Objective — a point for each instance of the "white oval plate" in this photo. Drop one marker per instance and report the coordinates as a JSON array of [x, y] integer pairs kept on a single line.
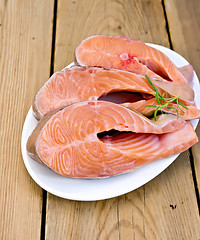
[[98, 189]]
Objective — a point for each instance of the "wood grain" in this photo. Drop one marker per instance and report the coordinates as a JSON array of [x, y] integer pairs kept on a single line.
[[166, 207], [25, 48], [184, 24], [105, 17], [167, 214]]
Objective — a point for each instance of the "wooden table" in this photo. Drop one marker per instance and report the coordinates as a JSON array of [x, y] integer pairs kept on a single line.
[[39, 37]]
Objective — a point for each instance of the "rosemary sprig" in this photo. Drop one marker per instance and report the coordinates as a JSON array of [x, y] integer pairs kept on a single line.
[[164, 102]]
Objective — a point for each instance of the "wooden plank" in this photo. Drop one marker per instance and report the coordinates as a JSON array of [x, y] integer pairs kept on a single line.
[[105, 17], [184, 25], [146, 212], [174, 213], [25, 37]]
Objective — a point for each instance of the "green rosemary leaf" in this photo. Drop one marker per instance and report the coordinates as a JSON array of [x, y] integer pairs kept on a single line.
[[172, 99], [151, 105], [162, 111], [164, 102], [174, 109], [180, 103], [155, 113], [171, 108], [157, 97], [152, 85], [162, 98], [150, 82]]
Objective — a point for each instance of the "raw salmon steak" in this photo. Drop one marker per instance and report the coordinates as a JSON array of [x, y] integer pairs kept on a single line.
[[131, 55], [79, 83], [94, 139], [92, 83]]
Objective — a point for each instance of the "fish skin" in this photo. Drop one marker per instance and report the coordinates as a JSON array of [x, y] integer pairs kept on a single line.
[[67, 142], [185, 93], [188, 73], [128, 54]]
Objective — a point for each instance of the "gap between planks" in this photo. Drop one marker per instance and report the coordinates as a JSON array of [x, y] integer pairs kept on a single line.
[[167, 25], [43, 219], [44, 196], [190, 152]]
